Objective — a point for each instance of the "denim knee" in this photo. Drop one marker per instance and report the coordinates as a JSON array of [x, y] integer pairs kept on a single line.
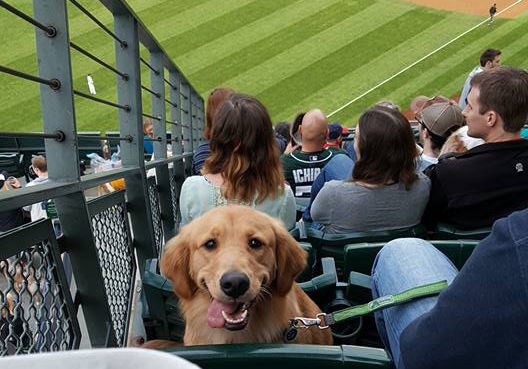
[[401, 249]]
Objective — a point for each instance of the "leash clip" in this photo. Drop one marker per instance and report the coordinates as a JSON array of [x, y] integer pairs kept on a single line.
[[301, 322]]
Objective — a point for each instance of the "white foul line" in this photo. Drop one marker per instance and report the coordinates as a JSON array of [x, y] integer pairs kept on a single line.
[[419, 60]]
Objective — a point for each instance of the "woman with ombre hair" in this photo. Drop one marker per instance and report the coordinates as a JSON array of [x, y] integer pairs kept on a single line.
[[244, 166]]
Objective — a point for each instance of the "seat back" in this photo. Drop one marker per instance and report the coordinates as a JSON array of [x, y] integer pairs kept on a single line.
[[8, 144], [10, 162], [286, 356], [333, 245], [444, 231], [360, 257]]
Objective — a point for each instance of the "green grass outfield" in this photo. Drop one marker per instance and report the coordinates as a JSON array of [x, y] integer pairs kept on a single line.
[[292, 54]]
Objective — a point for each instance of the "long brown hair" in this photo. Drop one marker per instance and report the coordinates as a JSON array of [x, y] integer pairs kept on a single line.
[[387, 152], [244, 151], [216, 98]]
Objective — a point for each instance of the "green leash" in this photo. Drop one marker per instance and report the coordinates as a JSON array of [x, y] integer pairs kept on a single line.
[[323, 321]]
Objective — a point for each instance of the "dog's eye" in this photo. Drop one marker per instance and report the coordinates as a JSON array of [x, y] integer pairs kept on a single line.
[[209, 245], [254, 243]]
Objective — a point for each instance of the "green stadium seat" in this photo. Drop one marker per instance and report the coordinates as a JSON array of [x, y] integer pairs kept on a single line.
[[333, 244], [285, 356], [90, 145], [32, 145], [445, 231], [307, 274], [360, 257], [10, 162], [9, 144]]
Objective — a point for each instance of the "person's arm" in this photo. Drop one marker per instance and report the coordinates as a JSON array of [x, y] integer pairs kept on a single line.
[[185, 202], [481, 319], [289, 213], [317, 185], [323, 205]]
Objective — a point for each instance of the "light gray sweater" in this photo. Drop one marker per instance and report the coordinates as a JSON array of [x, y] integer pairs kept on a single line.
[[343, 207]]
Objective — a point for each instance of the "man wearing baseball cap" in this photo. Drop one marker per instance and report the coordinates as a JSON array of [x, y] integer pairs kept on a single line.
[[335, 138], [437, 122]]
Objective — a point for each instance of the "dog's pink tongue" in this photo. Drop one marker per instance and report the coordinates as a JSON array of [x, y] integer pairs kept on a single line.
[[214, 313]]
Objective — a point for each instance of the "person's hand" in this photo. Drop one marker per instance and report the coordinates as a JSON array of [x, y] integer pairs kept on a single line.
[[13, 182], [291, 147]]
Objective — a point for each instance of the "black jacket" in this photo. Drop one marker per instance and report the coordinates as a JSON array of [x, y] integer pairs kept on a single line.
[[473, 189]]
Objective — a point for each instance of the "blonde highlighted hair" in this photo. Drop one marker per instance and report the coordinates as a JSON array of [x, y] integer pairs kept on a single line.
[[244, 151]]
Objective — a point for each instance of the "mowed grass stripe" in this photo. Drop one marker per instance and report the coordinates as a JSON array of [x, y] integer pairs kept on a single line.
[[468, 47], [18, 36], [520, 45], [255, 54], [460, 70], [185, 21], [381, 67], [353, 55], [289, 62], [451, 65], [93, 39], [429, 67], [210, 53], [224, 24]]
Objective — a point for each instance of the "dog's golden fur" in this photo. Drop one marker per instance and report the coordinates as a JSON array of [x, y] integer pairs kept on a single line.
[[272, 267]]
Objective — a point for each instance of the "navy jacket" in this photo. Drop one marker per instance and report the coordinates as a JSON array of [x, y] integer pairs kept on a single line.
[[481, 320]]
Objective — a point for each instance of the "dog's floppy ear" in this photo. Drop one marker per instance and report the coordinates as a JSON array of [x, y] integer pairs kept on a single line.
[[291, 259], [175, 264]]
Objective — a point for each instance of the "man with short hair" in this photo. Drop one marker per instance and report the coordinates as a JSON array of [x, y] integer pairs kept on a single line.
[[302, 166], [40, 168], [335, 138], [437, 122], [490, 181], [490, 58]]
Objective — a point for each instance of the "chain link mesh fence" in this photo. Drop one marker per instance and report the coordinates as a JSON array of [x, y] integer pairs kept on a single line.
[[156, 213], [36, 312], [116, 258], [174, 197]]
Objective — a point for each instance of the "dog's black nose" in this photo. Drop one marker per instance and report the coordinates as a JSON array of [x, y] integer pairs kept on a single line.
[[234, 284]]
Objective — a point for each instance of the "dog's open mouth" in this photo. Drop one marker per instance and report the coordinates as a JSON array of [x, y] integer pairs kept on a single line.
[[229, 315]]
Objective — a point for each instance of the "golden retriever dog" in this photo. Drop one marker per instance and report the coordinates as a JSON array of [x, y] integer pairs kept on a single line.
[[234, 271]]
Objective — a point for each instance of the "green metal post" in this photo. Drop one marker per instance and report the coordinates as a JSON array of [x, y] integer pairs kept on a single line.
[[186, 111], [175, 113], [195, 113], [177, 133], [58, 113], [130, 124], [160, 148]]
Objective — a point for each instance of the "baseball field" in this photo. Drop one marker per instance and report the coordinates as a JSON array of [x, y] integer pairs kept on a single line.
[[292, 54]]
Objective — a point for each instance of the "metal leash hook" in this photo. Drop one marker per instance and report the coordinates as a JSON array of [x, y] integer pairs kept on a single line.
[[301, 322]]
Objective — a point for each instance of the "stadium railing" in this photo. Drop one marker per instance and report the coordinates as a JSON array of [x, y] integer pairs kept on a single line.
[[100, 239]]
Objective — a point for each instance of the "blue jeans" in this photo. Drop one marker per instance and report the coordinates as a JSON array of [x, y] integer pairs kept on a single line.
[[400, 265]]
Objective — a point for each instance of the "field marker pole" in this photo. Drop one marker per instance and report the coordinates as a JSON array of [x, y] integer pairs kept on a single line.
[[420, 60]]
